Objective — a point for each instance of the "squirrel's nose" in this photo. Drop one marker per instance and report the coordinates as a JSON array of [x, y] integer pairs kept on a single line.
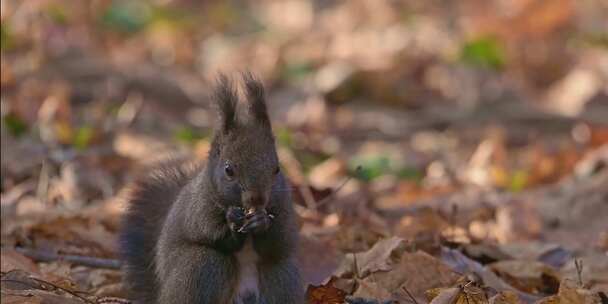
[[254, 199]]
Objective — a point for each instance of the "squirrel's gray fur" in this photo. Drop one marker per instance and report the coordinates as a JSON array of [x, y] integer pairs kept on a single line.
[[180, 235]]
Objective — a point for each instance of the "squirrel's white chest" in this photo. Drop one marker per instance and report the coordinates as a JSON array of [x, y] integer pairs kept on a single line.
[[248, 273]]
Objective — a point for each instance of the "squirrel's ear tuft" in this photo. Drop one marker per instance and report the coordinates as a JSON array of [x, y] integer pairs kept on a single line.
[[226, 98], [256, 98]]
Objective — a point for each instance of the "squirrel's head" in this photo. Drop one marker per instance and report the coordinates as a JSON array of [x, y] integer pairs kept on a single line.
[[243, 160]]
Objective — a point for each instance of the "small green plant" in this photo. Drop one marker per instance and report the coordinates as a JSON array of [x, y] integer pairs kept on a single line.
[[371, 167], [485, 52], [410, 173], [83, 137], [368, 168], [188, 135], [14, 124], [518, 181], [6, 38], [284, 137], [297, 70], [57, 13], [310, 159], [126, 16]]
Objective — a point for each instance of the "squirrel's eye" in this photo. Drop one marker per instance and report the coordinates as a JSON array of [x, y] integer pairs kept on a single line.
[[277, 170], [228, 170]]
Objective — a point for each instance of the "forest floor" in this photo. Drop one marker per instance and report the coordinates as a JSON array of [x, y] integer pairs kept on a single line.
[[431, 161]]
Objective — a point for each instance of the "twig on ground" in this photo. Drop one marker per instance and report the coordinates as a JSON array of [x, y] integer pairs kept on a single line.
[[45, 256], [409, 294], [330, 196], [578, 263], [45, 286]]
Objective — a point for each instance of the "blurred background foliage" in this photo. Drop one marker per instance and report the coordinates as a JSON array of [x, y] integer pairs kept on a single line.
[[476, 121], [341, 74]]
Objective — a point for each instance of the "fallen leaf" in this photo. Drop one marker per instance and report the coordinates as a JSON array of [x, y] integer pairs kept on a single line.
[[368, 289], [381, 257], [12, 260], [416, 272], [462, 264], [453, 295], [317, 260], [424, 225], [465, 292], [533, 250], [570, 293], [505, 297], [594, 272], [485, 252], [528, 276], [20, 299], [325, 294]]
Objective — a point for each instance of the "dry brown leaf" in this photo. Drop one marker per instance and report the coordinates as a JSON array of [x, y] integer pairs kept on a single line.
[[432, 293], [570, 293], [381, 257], [360, 228], [444, 295], [327, 174], [12, 260], [457, 295], [142, 148], [462, 264], [317, 260], [425, 224], [325, 294], [594, 272], [485, 252], [368, 289], [599, 136], [548, 253], [386, 270], [518, 220], [59, 273], [415, 272], [37, 297], [112, 290], [505, 297], [20, 299], [528, 276], [77, 235], [49, 289]]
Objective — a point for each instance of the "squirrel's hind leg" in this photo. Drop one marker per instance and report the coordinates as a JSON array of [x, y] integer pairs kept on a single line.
[[280, 283], [196, 275]]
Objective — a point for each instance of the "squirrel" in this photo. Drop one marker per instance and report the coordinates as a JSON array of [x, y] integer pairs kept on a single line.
[[220, 232]]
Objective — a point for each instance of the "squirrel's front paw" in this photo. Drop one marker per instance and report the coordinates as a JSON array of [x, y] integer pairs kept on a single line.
[[235, 216], [256, 222]]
